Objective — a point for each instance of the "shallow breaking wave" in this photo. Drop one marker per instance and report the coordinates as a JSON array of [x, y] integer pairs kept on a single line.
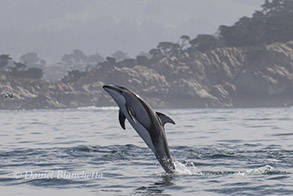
[[184, 170], [99, 108]]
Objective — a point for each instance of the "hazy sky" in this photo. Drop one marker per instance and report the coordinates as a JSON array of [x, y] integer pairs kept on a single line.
[[53, 28]]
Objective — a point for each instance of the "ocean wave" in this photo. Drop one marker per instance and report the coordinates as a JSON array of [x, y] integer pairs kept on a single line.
[[189, 169], [98, 108]]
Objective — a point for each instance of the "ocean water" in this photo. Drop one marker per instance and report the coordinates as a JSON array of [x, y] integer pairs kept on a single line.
[[85, 151]]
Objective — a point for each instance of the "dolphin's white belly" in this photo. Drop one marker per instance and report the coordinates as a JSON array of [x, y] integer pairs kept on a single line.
[[142, 132]]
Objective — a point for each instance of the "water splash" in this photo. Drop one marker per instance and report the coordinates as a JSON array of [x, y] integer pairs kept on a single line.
[[186, 169], [189, 169]]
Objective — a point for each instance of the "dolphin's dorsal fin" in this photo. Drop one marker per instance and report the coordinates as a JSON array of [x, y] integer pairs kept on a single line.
[[164, 118], [122, 119]]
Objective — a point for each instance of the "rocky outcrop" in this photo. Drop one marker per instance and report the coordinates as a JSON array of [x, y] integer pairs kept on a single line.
[[255, 76], [270, 74]]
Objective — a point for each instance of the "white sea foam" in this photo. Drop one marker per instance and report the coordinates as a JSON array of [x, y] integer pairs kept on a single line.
[[191, 169], [98, 108], [258, 171], [181, 169]]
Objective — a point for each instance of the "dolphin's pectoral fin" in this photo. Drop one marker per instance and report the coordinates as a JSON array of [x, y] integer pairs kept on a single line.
[[122, 119], [131, 113], [165, 119]]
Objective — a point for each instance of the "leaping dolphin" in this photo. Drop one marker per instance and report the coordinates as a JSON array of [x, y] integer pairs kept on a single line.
[[148, 124]]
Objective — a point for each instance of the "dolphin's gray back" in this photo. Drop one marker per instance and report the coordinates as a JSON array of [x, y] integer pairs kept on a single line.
[[143, 112]]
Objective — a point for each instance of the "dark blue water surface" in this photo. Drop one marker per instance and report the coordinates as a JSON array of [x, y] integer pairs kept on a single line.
[[85, 151]]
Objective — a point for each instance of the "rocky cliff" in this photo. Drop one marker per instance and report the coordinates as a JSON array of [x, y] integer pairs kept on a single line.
[[255, 76]]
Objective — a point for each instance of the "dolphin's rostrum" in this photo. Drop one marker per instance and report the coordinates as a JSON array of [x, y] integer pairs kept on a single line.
[[148, 124]]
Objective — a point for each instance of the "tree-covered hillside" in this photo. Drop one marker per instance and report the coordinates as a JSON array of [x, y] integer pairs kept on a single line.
[[274, 23]]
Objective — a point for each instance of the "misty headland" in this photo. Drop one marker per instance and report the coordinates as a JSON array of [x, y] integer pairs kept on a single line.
[[248, 64]]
